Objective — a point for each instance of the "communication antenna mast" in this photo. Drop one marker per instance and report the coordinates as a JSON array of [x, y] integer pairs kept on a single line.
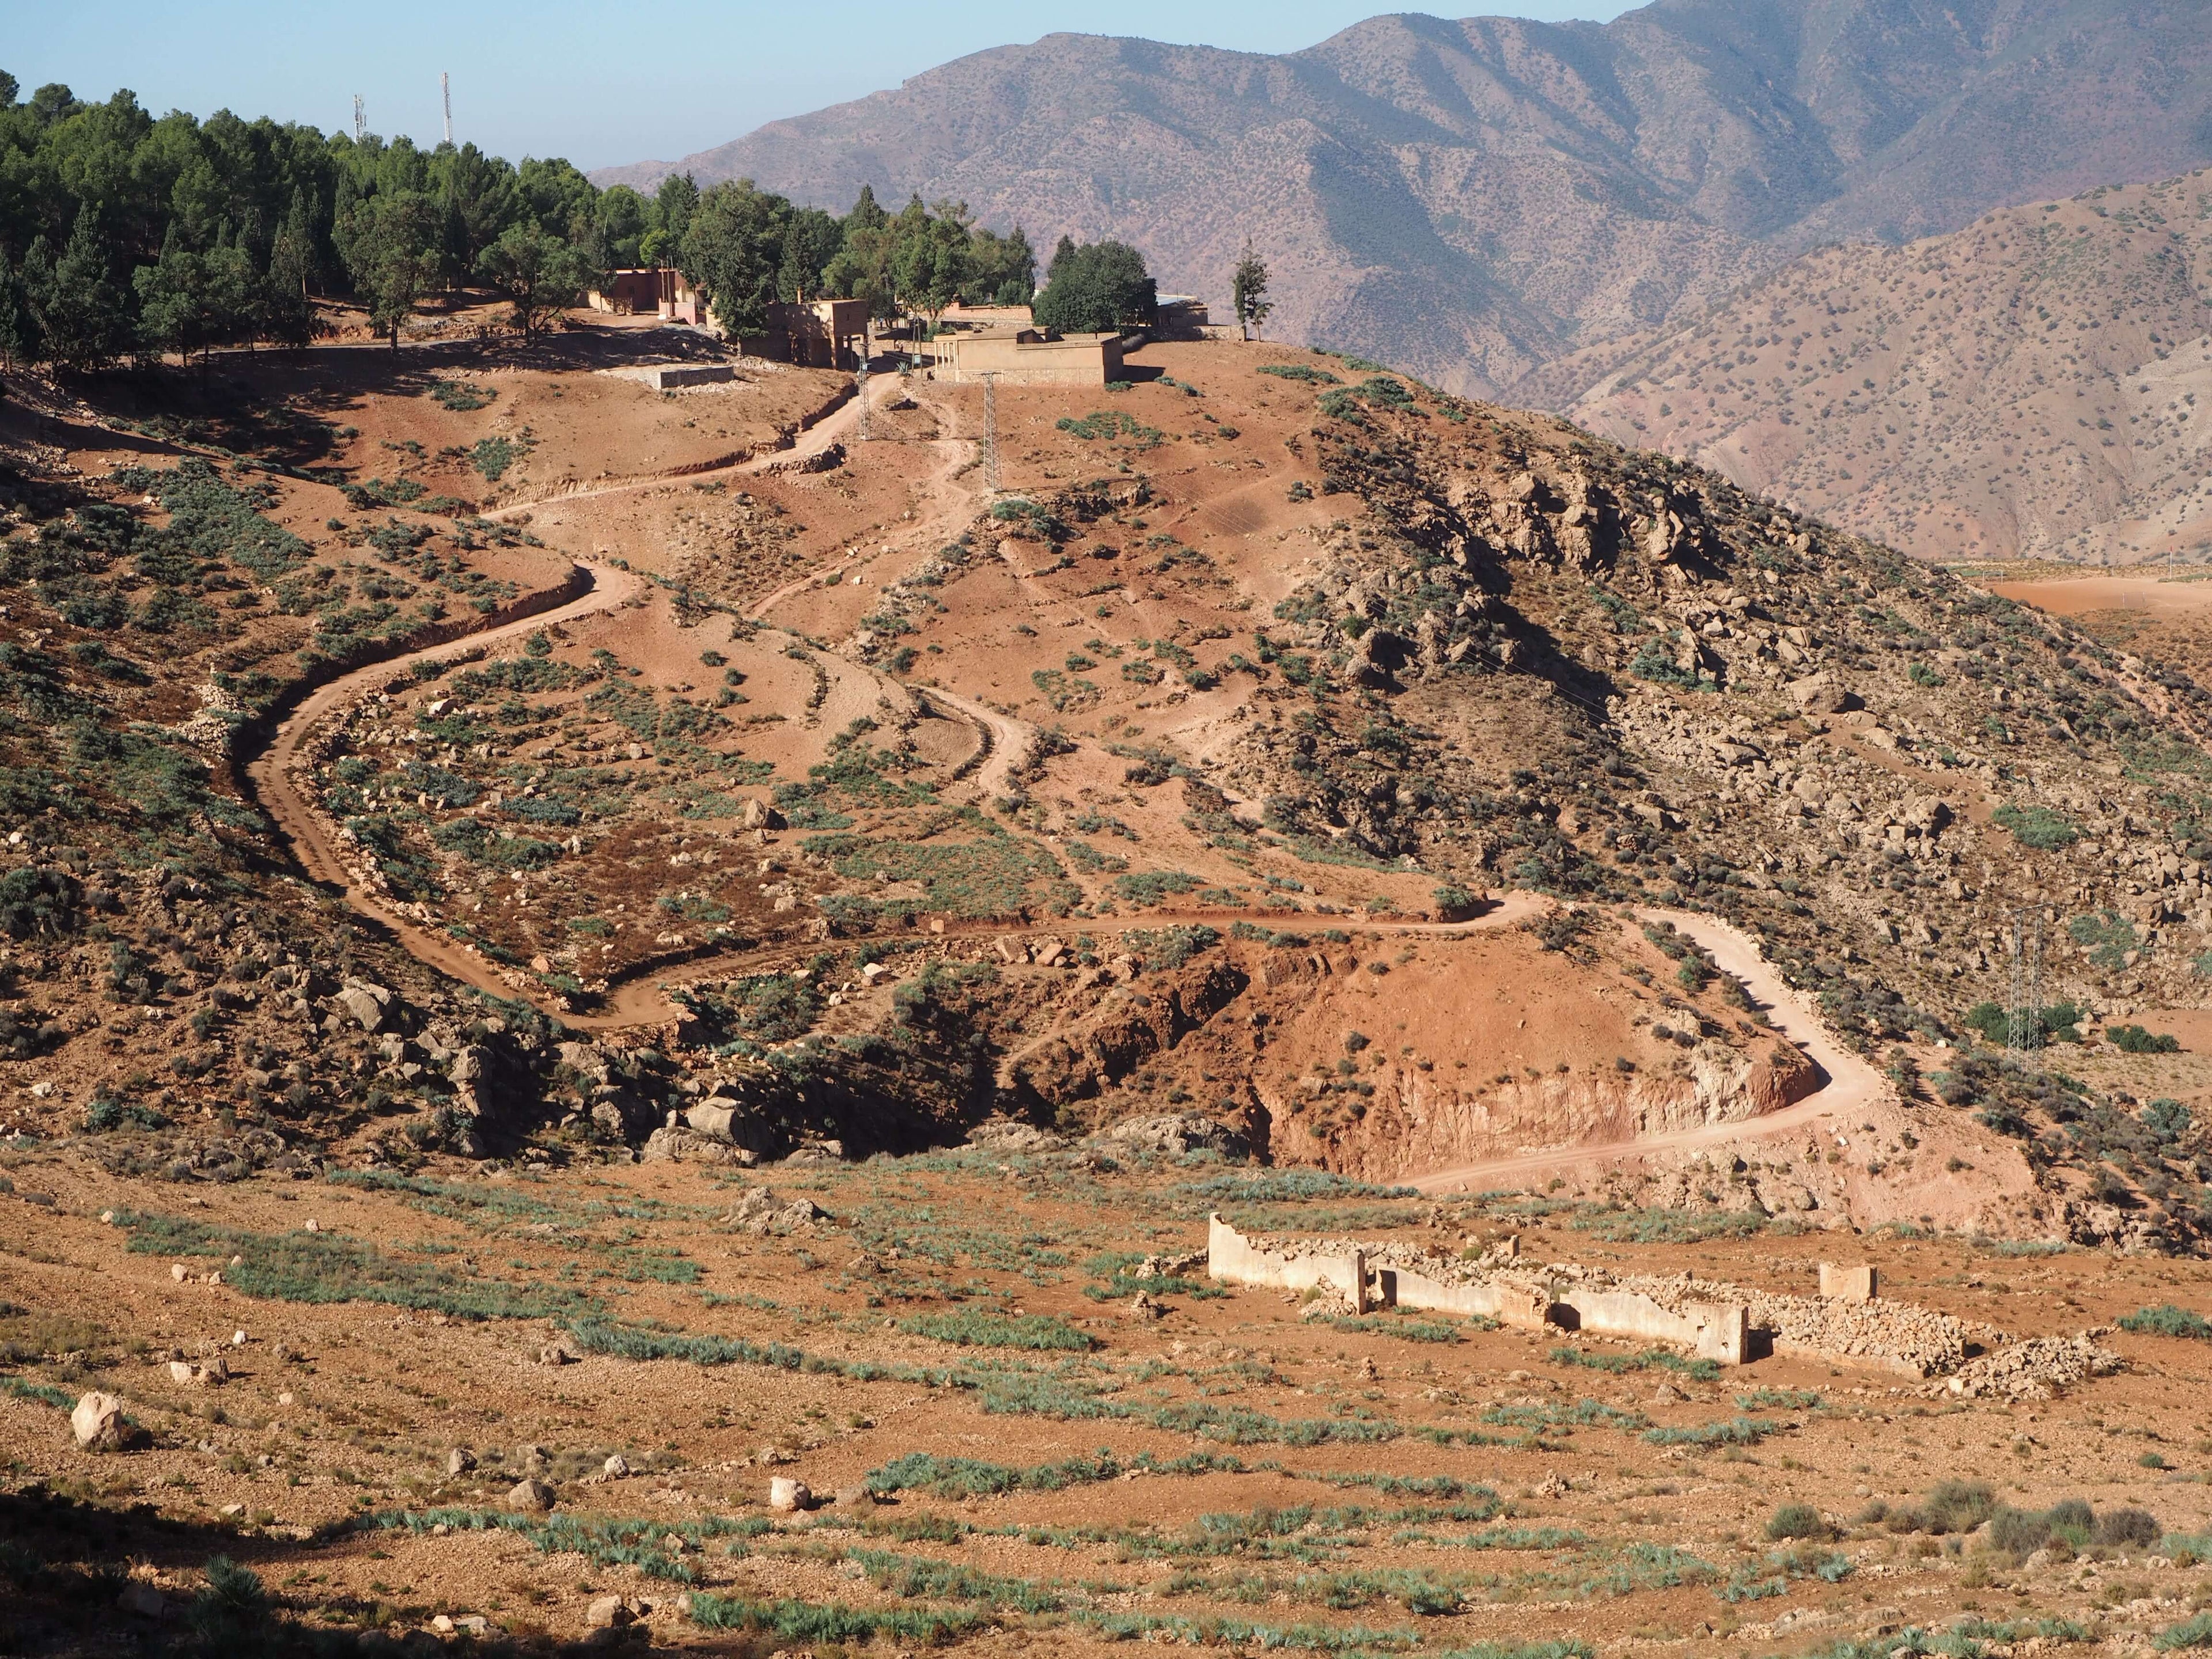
[[991, 432], [360, 120], [446, 92]]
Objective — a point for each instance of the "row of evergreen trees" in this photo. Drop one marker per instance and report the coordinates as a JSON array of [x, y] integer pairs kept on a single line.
[[126, 235]]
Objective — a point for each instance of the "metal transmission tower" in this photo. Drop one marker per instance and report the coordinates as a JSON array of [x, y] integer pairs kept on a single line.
[[360, 120], [445, 92], [2024, 1021], [860, 386], [991, 433]]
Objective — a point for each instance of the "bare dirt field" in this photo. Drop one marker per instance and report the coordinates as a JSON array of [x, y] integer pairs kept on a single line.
[[713, 952]]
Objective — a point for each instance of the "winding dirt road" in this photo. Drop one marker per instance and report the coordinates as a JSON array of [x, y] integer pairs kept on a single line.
[[275, 779], [273, 775], [1851, 1086]]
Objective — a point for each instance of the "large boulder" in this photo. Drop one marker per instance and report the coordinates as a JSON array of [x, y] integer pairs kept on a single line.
[[365, 1002], [530, 1497], [98, 1423]]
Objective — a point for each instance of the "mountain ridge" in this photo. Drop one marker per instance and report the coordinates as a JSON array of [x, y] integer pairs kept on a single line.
[[1474, 198]]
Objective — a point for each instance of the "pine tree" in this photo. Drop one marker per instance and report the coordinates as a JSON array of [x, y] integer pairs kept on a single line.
[[19, 329], [80, 313], [1248, 291]]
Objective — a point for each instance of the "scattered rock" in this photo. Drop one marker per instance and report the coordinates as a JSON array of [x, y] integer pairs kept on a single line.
[[141, 1600], [855, 1497], [460, 1460], [1172, 1134], [2037, 1368], [555, 1353], [1141, 1306], [775, 1455], [530, 1497], [98, 1423], [1007, 1135], [365, 1002], [615, 1467], [787, 1494], [609, 1613]]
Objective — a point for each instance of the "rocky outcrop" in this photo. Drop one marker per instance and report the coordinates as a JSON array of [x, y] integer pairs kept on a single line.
[[1416, 1122]]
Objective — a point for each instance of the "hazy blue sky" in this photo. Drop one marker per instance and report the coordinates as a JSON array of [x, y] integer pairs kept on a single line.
[[601, 83]]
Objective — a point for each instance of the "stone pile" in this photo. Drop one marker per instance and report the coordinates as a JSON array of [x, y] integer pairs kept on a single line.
[[2034, 1370]]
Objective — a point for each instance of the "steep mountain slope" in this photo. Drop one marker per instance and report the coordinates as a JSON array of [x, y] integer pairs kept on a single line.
[[2038, 384], [1471, 199]]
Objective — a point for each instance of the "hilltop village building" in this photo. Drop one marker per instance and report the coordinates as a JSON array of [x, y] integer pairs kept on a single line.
[[633, 292], [1028, 356], [812, 333]]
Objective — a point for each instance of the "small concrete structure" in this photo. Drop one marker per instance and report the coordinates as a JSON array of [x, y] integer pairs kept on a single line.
[[670, 376], [814, 333], [1028, 356], [1859, 1283], [1709, 1330], [656, 288]]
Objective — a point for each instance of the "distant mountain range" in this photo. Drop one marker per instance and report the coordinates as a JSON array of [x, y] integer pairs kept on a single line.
[[1476, 199], [2038, 384]]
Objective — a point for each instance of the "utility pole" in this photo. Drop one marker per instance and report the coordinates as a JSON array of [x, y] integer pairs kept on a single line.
[[446, 92], [360, 120], [991, 432]]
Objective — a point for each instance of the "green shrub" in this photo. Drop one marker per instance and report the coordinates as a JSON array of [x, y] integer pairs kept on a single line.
[[1300, 372], [974, 1329], [2166, 1320], [323, 1267], [803, 1622], [1957, 1506], [2191, 1632], [462, 397], [2037, 827], [1153, 886], [2134, 1040]]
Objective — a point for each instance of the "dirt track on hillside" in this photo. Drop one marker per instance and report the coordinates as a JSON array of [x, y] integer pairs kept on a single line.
[[1851, 1084]]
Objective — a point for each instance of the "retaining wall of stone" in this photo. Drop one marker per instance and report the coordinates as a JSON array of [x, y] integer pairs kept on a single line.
[[1714, 1331]]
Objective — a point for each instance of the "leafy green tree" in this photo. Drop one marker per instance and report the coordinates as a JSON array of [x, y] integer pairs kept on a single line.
[[392, 250], [561, 199], [80, 311], [478, 201], [732, 250], [812, 239], [537, 274], [19, 328], [1098, 288], [1006, 268], [622, 221], [173, 308], [931, 257], [1247, 292], [673, 205]]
